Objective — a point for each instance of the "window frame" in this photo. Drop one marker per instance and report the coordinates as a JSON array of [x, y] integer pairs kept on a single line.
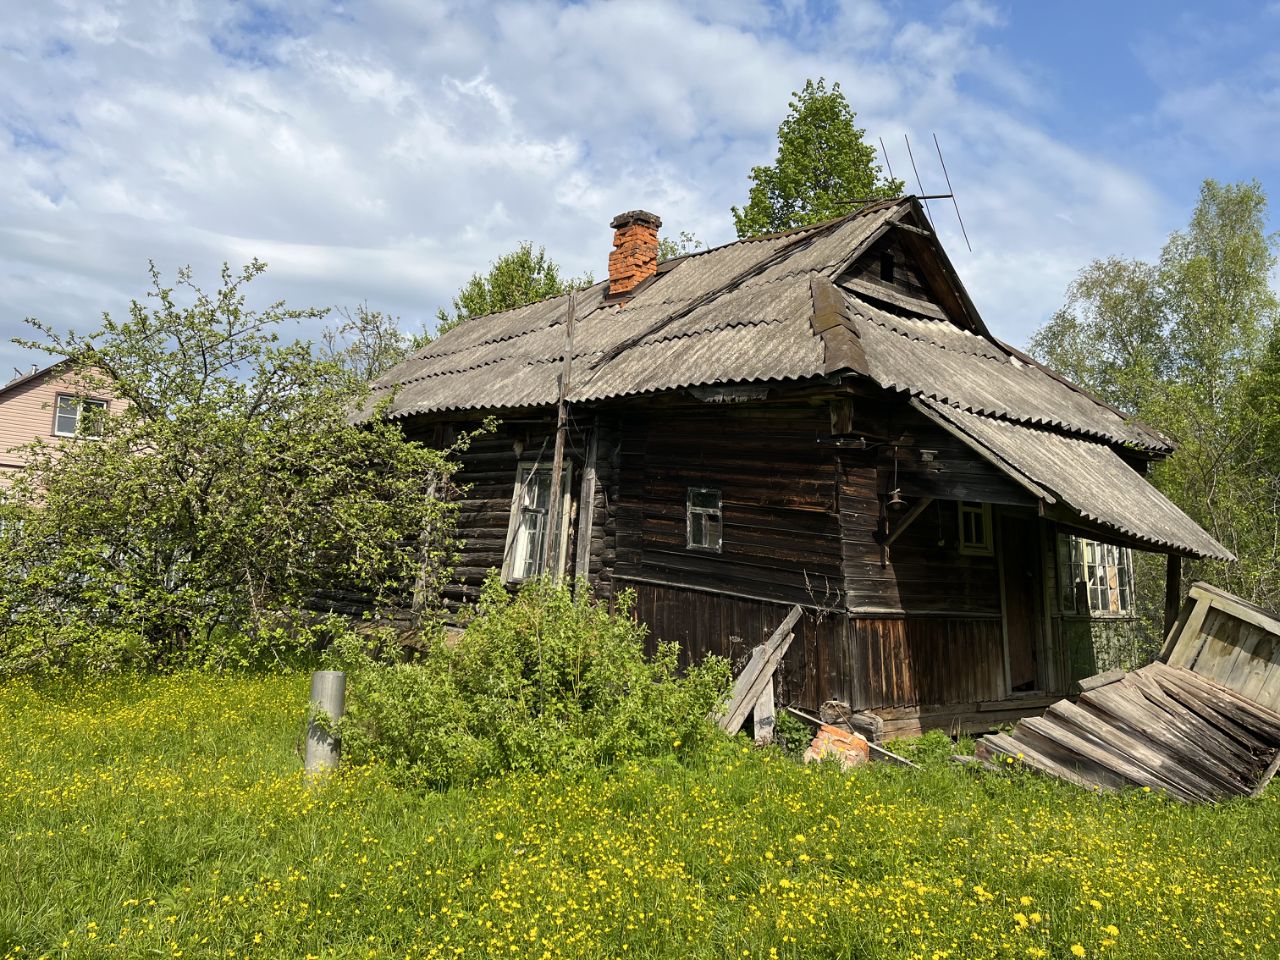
[[712, 520], [983, 511], [80, 404], [1099, 573], [526, 470]]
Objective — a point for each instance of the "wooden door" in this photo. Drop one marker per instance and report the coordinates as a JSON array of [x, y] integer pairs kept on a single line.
[[1020, 573]]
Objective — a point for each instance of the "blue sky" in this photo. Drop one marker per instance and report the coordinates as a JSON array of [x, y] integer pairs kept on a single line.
[[382, 150]]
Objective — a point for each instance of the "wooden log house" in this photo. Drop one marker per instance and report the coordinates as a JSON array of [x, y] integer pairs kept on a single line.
[[817, 417]]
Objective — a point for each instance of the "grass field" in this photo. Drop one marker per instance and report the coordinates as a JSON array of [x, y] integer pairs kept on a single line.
[[168, 817]]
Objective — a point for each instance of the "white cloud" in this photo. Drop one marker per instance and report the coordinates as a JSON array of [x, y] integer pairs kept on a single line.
[[384, 151]]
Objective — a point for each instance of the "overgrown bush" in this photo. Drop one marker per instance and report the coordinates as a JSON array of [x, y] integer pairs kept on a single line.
[[541, 680], [229, 489]]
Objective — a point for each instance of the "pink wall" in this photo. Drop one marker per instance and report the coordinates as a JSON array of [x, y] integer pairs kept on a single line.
[[26, 412]]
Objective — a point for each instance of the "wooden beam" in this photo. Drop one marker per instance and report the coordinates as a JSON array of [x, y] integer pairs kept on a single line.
[[758, 671], [1172, 591], [896, 298], [553, 561], [908, 519], [586, 508], [1229, 603]]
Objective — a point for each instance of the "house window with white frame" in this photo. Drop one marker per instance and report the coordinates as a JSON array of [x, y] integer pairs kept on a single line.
[[1094, 578], [704, 520], [78, 416], [526, 554], [975, 529]]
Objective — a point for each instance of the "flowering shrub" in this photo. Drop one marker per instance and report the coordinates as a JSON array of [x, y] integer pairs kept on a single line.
[[540, 680]]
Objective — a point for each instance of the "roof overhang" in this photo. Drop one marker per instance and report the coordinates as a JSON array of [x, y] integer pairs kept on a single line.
[[1080, 482]]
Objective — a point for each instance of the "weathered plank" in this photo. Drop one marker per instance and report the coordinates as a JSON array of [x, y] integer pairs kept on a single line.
[[763, 714], [758, 671]]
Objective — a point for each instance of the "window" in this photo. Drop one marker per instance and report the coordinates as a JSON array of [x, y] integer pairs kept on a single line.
[[975, 529], [705, 524], [526, 552], [78, 417], [1094, 577]]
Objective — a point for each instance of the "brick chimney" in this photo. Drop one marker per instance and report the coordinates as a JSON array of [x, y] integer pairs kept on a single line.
[[635, 251]]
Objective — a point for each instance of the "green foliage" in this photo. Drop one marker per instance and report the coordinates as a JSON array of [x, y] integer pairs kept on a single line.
[[146, 816], [822, 164], [542, 680], [514, 279], [1189, 345], [367, 343], [683, 244], [792, 734], [228, 489]]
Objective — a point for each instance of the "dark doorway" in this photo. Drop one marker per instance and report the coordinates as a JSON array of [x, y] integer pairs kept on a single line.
[[1020, 573]]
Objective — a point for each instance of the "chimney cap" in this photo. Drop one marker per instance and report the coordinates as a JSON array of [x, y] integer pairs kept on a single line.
[[635, 216]]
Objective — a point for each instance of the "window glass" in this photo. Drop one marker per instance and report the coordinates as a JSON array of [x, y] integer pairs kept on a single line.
[[92, 417], [975, 528], [74, 417], [67, 417], [705, 521], [529, 549], [526, 554], [1094, 577]]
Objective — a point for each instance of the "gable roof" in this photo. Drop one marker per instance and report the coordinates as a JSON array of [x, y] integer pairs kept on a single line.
[[743, 313], [780, 308], [35, 374]]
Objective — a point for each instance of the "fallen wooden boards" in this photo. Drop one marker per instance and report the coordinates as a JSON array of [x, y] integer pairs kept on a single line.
[[1225, 639], [1161, 727], [757, 675]]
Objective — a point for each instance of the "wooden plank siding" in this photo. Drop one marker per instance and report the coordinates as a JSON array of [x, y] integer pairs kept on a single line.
[[869, 662]]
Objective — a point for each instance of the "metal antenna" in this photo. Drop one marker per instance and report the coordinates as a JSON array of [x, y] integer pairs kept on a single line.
[[927, 211], [888, 165], [953, 193]]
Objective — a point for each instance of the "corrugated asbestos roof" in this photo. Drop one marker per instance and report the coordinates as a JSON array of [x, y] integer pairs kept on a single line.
[[936, 359], [746, 312], [736, 313], [1087, 476]]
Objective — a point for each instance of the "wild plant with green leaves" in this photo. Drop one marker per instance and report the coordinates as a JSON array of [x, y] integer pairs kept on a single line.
[[229, 487], [1190, 344], [546, 679]]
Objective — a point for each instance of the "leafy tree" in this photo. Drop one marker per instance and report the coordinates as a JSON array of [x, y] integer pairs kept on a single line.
[[228, 489], [514, 279], [1189, 344], [367, 343], [680, 245], [822, 165]]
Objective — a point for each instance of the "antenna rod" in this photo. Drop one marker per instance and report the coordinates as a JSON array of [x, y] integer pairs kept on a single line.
[[953, 193], [927, 196], [928, 212], [888, 165]]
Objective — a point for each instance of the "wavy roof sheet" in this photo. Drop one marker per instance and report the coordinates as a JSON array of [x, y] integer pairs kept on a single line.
[[740, 313], [938, 360], [1088, 477]]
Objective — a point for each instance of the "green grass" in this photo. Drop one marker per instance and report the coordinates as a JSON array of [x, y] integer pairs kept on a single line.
[[169, 817]]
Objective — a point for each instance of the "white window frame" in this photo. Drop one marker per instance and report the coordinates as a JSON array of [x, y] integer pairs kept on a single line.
[[982, 514], [80, 403], [1103, 569], [712, 521], [513, 556]]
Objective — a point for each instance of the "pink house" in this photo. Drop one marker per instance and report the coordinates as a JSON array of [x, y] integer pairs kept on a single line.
[[50, 404]]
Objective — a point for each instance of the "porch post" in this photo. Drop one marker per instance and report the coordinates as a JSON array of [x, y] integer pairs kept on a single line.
[[1172, 591]]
